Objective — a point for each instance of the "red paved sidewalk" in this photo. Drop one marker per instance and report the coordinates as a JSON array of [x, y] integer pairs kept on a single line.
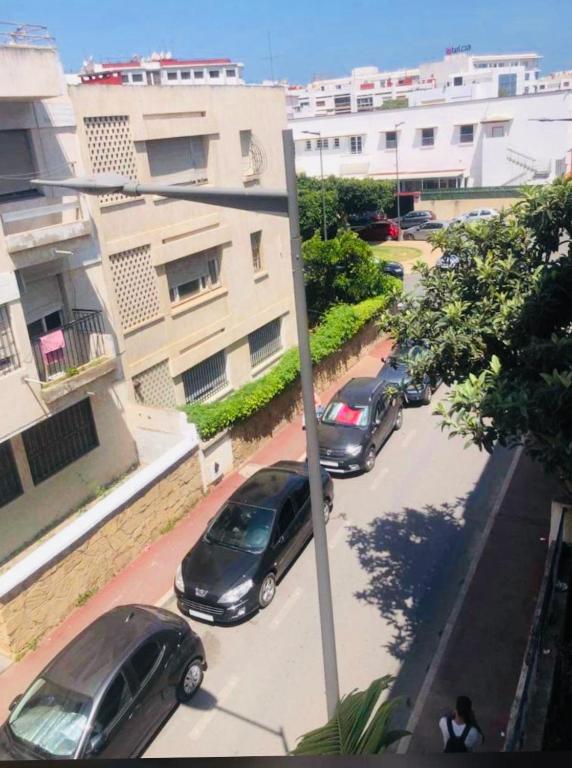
[[149, 578]]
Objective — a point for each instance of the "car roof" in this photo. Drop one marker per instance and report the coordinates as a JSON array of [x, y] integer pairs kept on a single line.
[[359, 391], [93, 658], [270, 486]]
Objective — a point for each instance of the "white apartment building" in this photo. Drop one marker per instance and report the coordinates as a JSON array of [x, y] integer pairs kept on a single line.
[[503, 141], [555, 81], [161, 69], [459, 76]]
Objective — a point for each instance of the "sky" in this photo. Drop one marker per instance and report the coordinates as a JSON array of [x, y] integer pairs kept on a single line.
[[308, 38]]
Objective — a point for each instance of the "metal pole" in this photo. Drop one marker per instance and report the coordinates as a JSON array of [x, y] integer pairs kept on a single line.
[[323, 193], [314, 471], [397, 177]]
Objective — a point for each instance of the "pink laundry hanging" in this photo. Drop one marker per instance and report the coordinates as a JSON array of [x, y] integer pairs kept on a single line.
[[51, 346]]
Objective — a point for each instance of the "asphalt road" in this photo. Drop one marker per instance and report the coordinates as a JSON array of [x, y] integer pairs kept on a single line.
[[400, 542]]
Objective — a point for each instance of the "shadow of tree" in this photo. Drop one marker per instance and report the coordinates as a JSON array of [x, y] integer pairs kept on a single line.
[[401, 553]]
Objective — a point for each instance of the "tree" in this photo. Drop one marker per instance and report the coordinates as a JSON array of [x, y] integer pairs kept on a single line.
[[341, 270], [311, 208], [357, 727], [499, 327], [361, 195]]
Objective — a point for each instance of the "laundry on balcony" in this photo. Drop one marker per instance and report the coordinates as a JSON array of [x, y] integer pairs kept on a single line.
[[52, 346]]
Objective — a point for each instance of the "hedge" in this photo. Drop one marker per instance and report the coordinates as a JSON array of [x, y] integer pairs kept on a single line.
[[339, 324]]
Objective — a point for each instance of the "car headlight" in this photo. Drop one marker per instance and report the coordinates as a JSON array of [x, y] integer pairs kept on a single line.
[[353, 450], [234, 594], [179, 583]]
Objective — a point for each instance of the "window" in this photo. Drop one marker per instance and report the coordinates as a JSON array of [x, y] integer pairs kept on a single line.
[[45, 324], [137, 77], [214, 74], [466, 134], [507, 85], [9, 360], [124, 78], [145, 659], [185, 74], [60, 440], [497, 131], [336, 143], [172, 75], [231, 72], [17, 163], [355, 145], [184, 158], [457, 81], [302, 494], [527, 75], [255, 243], [320, 103], [308, 145], [10, 487], [285, 517], [342, 103], [194, 274], [205, 379], [199, 74], [114, 702], [391, 139], [321, 143], [427, 137], [265, 342], [379, 411], [364, 103]]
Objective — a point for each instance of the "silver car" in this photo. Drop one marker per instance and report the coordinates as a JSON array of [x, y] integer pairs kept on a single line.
[[424, 230], [478, 214]]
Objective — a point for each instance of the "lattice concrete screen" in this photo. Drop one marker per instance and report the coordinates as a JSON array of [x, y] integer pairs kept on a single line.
[[111, 149], [155, 386], [135, 282]]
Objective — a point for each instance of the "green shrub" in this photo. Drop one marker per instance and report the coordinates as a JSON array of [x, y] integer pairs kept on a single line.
[[339, 325]]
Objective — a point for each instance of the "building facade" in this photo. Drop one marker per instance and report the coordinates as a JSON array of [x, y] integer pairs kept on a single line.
[[500, 142]]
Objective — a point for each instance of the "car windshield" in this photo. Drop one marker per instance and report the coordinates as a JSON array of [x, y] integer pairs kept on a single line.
[[49, 719], [346, 415], [404, 355], [240, 526]]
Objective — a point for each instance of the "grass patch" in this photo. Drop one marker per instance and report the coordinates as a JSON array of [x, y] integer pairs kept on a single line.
[[84, 597], [400, 253]]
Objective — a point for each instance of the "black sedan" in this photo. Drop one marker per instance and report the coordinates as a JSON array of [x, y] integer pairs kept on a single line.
[[108, 691], [356, 423], [395, 373], [232, 571], [393, 268]]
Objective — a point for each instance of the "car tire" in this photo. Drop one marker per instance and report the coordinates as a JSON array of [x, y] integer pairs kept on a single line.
[[370, 457], [398, 419], [267, 590], [191, 681], [327, 510], [427, 395]]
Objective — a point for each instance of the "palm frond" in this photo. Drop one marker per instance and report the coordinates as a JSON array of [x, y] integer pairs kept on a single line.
[[359, 725]]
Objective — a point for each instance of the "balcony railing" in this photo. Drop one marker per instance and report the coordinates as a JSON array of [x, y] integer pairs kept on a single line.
[[35, 212], [64, 350]]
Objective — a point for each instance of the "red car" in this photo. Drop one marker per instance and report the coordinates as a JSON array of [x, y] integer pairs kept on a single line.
[[378, 231]]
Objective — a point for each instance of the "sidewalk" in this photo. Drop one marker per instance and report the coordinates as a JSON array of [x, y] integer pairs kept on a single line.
[[485, 651], [149, 578]]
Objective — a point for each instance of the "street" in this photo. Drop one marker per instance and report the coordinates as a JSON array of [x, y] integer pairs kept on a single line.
[[400, 542]]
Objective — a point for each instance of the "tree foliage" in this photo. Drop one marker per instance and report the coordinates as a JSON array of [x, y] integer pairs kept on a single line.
[[360, 726], [344, 197], [341, 270], [500, 328]]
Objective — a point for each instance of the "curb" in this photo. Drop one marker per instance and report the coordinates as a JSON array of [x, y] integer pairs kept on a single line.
[[404, 744]]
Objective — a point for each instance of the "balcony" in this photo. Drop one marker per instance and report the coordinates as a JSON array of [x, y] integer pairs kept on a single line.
[[74, 355], [29, 64], [32, 221]]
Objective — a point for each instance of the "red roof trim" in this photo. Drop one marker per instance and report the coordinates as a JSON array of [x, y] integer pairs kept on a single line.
[[177, 62]]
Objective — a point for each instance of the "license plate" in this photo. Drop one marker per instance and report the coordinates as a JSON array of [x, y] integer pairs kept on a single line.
[[328, 463], [199, 615]]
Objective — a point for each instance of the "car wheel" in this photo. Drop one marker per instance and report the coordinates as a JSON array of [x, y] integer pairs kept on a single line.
[[191, 681], [327, 510], [398, 420], [427, 395], [370, 458], [267, 590]]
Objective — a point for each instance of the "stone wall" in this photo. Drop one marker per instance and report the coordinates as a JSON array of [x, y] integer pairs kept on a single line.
[[249, 435], [40, 605]]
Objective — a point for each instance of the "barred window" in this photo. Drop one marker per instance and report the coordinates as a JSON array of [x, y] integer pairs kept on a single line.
[[60, 440], [9, 360], [205, 379], [265, 342], [255, 244], [10, 486]]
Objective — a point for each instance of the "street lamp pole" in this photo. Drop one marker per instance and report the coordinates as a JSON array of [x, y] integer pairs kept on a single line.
[[397, 179], [320, 142], [285, 203]]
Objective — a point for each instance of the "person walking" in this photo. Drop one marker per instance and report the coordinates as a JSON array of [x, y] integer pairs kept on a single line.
[[460, 730]]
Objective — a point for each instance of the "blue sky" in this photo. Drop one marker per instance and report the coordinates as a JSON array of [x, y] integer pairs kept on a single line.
[[309, 37]]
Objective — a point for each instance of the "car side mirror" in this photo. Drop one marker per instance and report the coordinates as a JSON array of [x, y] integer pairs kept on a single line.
[[384, 359], [15, 702], [97, 743]]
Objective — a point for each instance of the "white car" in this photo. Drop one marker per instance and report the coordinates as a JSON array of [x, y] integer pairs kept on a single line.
[[423, 231], [478, 214]]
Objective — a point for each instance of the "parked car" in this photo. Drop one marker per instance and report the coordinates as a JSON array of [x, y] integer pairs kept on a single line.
[[447, 261], [378, 231], [414, 219], [395, 373], [423, 231], [232, 571], [393, 268], [368, 217], [476, 215], [109, 690], [355, 425]]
